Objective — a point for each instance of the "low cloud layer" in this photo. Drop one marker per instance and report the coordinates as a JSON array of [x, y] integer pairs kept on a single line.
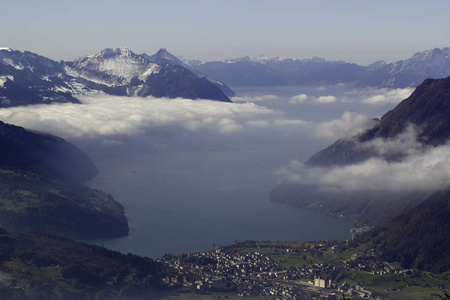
[[301, 98], [260, 98], [386, 96], [108, 116], [325, 99], [421, 169], [347, 126], [405, 144]]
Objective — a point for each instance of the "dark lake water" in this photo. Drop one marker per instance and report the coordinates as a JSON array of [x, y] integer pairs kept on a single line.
[[192, 201]]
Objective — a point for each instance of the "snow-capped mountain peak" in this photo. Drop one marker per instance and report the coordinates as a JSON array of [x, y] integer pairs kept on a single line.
[[163, 57], [114, 52], [28, 78], [121, 64]]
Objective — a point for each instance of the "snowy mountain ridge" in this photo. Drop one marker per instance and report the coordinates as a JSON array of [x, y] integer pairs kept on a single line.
[[28, 78], [432, 63], [121, 64], [262, 70], [262, 59]]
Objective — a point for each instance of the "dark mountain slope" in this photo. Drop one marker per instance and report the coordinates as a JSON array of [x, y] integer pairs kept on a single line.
[[45, 202], [418, 238], [40, 267], [428, 109], [39, 188], [27, 78], [163, 57], [21, 148], [175, 81]]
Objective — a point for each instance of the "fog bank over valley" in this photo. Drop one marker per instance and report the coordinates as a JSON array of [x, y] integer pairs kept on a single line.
[[289, 123], [193, 173]]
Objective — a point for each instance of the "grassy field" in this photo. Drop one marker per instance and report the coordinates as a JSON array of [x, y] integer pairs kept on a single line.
[[399, 286], [295, 260], [390, 286], [265, 251], [213, 296]]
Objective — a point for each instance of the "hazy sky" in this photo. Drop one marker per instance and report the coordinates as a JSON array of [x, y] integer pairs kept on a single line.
[[355, 31]]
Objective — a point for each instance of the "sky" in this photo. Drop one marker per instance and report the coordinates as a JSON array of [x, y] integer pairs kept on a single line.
[[360, 32]]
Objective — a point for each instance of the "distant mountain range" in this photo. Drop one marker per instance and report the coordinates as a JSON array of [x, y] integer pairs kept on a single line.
[[278, 71], [28, 78]]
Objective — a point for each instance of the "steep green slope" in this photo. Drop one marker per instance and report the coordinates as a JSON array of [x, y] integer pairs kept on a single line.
[[36, 266], [35, 202], [418, 238], [40, 189]]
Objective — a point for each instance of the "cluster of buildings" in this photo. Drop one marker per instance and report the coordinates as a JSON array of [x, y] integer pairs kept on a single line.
[[232, 269]]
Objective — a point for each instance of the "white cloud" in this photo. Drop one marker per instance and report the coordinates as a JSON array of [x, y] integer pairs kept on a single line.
[[227, 125], [347, 126], [258, 123], [325, 100], [404, 144], [255, 98], [104, 115], [301, 98], [282, 122], [107, 116], [422, 169], [387, 96]]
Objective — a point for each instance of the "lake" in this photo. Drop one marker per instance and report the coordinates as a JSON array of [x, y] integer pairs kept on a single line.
[[196, 190], [193, 201]]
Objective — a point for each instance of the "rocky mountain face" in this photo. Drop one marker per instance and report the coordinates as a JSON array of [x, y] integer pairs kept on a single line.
[[41, 188], [427, 110], [279, 71], [27, 78], [163, 57]]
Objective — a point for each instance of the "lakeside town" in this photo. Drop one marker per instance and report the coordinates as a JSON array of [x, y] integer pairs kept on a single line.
[[326, 270]]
